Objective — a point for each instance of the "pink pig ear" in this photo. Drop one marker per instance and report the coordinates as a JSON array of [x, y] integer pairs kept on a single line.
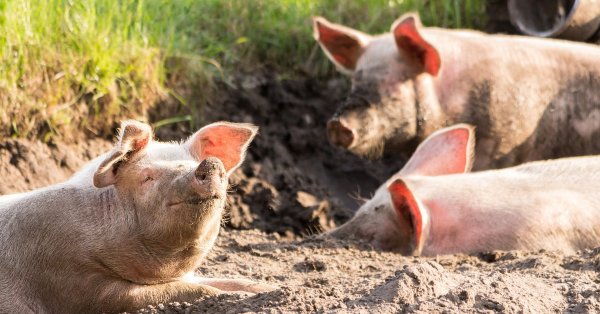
[[341, 44], [133, 137], [226, 141], [446, 151], [410, 214], [408, 39]]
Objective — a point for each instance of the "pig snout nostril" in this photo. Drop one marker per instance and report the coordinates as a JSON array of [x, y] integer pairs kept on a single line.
[[209, 167], [210, 179], [339, 133]]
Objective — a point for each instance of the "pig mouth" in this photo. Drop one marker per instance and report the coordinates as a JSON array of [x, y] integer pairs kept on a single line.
[[370, 149], [196, 200]]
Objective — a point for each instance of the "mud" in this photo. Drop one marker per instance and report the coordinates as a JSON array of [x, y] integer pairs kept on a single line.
[[294, 184], [293, 181]]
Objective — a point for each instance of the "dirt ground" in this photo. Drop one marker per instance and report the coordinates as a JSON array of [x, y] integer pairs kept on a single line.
[[294, 184]]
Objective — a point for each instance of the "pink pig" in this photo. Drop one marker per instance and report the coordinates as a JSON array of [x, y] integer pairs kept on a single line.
[[529, 98], [127, 230], [432, 206]]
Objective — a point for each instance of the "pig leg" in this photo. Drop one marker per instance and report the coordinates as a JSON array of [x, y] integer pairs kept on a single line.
[[237, 285], [131, 297]]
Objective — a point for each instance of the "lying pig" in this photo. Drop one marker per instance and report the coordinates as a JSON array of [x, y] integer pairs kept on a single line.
[[433, 207], [530, 98], [126, 231]]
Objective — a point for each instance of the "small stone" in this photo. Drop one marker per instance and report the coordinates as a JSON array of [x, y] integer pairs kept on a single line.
[[306, 200]]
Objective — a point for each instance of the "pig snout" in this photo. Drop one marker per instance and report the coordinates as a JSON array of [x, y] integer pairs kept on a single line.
[[210, 179], [340, 133]]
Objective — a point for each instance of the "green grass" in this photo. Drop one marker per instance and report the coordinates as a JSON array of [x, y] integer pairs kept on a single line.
[[69, 65]]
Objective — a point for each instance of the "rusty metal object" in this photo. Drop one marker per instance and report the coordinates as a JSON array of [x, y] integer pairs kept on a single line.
[[567, 19]]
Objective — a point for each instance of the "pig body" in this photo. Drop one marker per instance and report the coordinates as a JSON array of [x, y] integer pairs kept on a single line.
[[126, 231], [540, 205], [529, 98]]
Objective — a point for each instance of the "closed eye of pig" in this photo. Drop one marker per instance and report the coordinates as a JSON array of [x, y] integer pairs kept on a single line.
[[127, 230], [433, 205]]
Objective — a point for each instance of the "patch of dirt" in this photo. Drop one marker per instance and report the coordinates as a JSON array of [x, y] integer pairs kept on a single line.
[[27, 165], [346, 277]]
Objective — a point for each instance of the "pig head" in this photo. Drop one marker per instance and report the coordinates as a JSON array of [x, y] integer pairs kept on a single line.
[[177, 194], [433, 206], [381, 109], [519, 92], [127, 230], [394, 219]]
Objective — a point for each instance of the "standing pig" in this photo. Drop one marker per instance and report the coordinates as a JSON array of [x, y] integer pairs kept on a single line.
[[126, 231], [433, 207], [530, 98]]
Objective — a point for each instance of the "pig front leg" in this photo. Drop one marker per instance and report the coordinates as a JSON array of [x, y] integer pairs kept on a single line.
[[191, 288], [237, 285], [132, 297]]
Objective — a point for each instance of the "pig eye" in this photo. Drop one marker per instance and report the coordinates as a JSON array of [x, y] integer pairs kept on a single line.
[[147, 179]]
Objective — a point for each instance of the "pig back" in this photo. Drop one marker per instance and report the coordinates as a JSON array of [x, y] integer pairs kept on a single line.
[[47, 238], [531, 99], [548, 204]]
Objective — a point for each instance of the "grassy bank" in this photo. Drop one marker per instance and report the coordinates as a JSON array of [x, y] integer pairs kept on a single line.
[[67, 66]]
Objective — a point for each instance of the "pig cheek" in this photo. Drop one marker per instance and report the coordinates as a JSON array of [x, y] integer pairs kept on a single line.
[[388, 233], [146, 188], [387, 238], [208, 229], [148, 194], [399, 115], [373, 229], [393, 107], [140, 194], [209, 214]]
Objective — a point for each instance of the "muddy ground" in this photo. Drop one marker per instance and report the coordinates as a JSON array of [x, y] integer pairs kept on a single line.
[[294, 184]]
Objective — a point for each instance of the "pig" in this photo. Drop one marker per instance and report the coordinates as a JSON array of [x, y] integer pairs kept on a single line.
[[434, 205], [127, 230], [530, 98]]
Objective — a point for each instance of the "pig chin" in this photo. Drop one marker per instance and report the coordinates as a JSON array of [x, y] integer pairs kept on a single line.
[[390, 245], [371, 147], [200, 204], [374, 142], [391, 240]]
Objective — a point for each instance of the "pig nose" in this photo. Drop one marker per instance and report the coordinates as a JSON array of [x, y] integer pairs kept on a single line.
[[210, 166], [339, 133], [209, 178]]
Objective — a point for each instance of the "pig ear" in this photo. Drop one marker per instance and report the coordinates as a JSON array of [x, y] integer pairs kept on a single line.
[[408, 39], [447, 151], [341, 44], [224, 140], [410, 214], [133, 137]]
